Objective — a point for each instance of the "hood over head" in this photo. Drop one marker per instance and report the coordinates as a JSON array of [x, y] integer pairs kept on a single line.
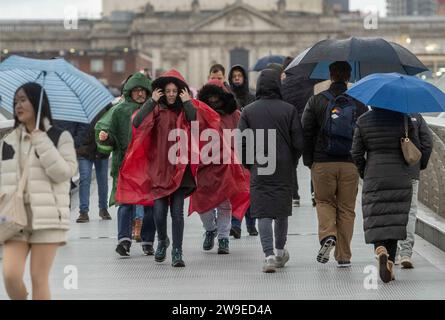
[[269, 85], [245, 86], [172, 76], [137, 80], [217, 88]]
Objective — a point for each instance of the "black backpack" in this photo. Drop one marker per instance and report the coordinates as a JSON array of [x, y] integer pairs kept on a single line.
[[339, 125]]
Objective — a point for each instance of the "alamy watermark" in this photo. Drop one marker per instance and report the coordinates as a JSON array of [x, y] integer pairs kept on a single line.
[[371, 18], [251, 147], [71, 280]]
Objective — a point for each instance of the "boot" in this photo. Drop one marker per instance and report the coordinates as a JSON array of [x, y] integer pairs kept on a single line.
[[390, 267], [384, 271], [137, 226]]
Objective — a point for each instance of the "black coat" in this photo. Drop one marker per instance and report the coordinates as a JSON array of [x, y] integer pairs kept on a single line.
[[387, 186], [271, 195]]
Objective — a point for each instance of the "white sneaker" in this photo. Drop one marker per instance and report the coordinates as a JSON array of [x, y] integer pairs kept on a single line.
[[270, 264], [281, 260], [406, 263]]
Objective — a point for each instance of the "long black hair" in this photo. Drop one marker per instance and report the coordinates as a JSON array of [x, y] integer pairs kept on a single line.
[[32, 91]]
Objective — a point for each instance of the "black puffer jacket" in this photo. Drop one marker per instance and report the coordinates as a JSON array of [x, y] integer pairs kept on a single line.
[[228, 105], [387, 187], [271, 195], [242, 93]]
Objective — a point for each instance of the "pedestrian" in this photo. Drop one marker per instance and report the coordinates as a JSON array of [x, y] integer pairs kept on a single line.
[[170, 109], [271, 194], [87, 157], [423, 134], [239, 85], [219, 184], [328, 125], [46, 155], [218, 72], [115, 131], [387, 182]]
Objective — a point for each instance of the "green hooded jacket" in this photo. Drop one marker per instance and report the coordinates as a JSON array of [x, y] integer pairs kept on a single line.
[[117, 123]]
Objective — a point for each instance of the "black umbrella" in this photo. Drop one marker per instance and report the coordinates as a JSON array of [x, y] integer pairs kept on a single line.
[[365, 55]]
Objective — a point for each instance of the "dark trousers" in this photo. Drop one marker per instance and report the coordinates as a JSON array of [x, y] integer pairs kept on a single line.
[[391, 247], [176, 202], [250, 222], [295, 187]]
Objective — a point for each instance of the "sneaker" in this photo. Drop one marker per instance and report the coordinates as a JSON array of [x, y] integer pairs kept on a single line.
[[235, 232], [343, 264], [296, 202], [252, 231], [177, 261], [161, 251], [281, 260], [223, 246], [314, 203], [123, 248], [103, 213], [83, 218], [148, 250], [325, 250], [270, 265], [209, 241], [384, 272], [406, 263]]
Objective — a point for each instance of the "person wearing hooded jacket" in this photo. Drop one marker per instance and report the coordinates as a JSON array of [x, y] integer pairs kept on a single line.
[[271, 195], [115, 131], [226, 179], [239, 84], [170, 109]]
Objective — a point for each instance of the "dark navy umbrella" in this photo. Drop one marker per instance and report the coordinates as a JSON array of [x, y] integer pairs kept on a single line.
[[365, 55], [397, 92], [262, 63]]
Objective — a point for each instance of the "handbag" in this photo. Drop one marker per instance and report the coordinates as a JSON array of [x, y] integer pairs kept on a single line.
[[411, 154], [13, 217]]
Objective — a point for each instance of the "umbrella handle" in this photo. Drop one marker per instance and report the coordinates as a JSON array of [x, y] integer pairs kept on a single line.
[[39, 112]]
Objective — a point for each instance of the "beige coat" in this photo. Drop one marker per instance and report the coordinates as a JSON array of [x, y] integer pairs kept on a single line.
[[48, 185]]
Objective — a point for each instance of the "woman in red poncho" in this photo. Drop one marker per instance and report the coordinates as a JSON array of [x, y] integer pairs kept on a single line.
[[148, 172], [224, 185]]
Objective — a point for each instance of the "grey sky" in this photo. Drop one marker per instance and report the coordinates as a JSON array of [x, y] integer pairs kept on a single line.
[[54, 9]]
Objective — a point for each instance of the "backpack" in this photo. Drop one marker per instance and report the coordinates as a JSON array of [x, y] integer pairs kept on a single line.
[[339, 125]]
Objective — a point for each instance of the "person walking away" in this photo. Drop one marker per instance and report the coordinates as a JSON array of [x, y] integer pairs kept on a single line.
[[423, 134], [387, 184], [48, 156], [327, 154], [271, 192]]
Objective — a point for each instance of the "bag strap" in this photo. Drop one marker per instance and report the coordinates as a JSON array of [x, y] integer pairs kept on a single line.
[[406, 126], [22, 182], [328, 95]]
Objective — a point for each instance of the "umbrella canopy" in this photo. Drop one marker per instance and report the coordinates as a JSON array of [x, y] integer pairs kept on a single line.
[[365, 55], [73, 95], [397, 92], [262, 63]]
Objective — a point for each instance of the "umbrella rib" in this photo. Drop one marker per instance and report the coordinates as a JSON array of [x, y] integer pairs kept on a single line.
[[74, 92]]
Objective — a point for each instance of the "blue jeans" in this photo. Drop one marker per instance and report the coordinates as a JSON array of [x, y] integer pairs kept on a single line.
[[125, 215], [85, 172], [176, 202], [250, 222]]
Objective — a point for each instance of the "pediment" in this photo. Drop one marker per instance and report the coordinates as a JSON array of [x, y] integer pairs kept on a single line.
[[239, 17]]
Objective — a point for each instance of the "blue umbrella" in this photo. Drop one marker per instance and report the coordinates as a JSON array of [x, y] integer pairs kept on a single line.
[[262, 63], [73, 95], [397, 92]]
